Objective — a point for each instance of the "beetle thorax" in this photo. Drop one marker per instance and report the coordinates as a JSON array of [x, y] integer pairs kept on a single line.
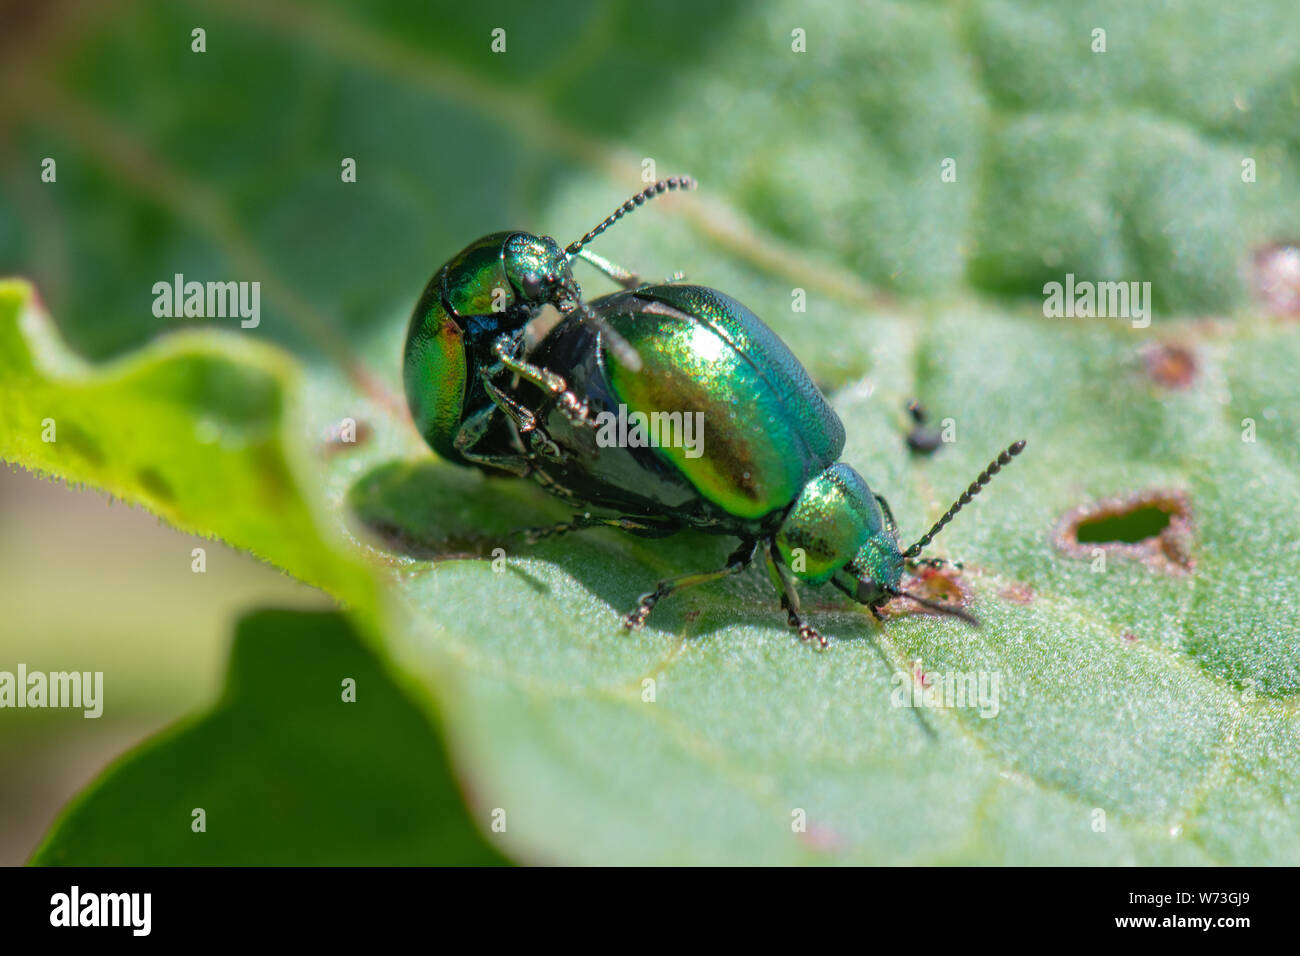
[[835, 531]]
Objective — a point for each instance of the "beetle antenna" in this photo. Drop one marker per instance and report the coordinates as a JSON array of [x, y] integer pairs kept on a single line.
[[950, 609], [975, 488], [640, 199]]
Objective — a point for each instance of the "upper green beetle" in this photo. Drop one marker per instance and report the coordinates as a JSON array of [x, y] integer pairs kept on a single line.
[[465, 334]]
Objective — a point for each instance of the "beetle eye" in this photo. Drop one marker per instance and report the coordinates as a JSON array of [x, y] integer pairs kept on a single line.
[[532, 285], [868, 592]]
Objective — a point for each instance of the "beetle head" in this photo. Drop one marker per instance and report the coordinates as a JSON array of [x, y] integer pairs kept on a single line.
[[839, 530], [538, 272], [875, 572]]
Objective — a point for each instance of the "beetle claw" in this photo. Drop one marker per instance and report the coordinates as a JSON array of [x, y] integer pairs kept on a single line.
[[805, 630], [544, 446], [633, 619], [809, 633], [574, 409]]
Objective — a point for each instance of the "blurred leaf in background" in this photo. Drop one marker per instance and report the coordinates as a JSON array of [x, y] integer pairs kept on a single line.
[[286, 770], [93, 585], [1156, 698]]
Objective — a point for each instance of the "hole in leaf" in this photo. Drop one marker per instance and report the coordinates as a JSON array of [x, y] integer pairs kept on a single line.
[[1129, 526], [1154, 527], [1017, 592]]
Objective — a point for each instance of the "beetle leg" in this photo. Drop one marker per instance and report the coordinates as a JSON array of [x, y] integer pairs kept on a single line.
[[579, 522], [785, 586], [533, 535], [628, 279], [523, 418], [525, 421], [471, 433], [572, 407], [738, 561]]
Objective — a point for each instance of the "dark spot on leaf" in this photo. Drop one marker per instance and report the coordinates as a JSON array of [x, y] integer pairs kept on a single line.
[[822, 839], [229, 394], [21, 24], [66, 433], [943, 585], [154, 483], [276, 486], [1154, 527], [1017, 592], [336, 441], [1171, 366], [1276, 278], [1129, 637]]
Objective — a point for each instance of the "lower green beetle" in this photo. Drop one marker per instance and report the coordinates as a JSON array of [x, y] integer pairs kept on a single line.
[[645, 364]]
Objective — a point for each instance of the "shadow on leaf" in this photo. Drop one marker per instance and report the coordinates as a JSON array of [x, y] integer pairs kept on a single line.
[[435, 511]]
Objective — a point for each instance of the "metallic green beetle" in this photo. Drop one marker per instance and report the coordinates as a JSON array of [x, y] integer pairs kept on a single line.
[[585, 410]]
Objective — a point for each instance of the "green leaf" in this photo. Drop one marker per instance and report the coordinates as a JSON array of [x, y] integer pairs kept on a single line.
[[1160, 696], [284, 770], [191, 427]]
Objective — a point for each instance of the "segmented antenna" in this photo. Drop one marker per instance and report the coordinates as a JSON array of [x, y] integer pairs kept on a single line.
[[640, 199], [620, 346], [975, 488]]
